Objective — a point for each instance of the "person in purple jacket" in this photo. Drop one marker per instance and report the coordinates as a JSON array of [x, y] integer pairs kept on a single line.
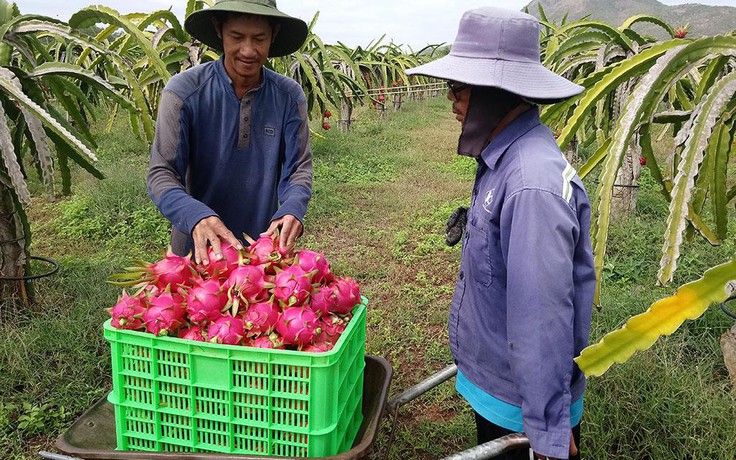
[[231, 152], [523, 300]]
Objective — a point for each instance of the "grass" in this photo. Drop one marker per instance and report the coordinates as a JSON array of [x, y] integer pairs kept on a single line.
[[381, 197]]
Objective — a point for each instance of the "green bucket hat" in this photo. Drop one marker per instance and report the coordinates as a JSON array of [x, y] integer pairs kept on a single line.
[[290, 38]]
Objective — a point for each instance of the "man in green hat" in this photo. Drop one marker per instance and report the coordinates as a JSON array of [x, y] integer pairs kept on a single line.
[[231, 152]]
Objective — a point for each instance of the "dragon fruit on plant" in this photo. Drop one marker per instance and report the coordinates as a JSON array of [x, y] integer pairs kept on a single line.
[[297, 325], [127, 313], [226, 329]]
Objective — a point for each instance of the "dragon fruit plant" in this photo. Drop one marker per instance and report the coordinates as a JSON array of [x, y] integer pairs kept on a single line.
[[260, 297]]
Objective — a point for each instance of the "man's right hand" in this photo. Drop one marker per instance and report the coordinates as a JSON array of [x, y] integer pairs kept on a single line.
[[211, 230]]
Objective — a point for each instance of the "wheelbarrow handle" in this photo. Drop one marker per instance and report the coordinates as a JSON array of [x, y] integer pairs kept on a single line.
[[492, 448], [421, 388], [53, 456]]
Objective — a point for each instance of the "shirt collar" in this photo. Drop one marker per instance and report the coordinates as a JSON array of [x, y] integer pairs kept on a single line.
[[517, 128], [222, 72]]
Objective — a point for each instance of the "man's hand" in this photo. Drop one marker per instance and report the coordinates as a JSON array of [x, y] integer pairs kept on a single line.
[[573, 450], [290, 228], [211, 230]]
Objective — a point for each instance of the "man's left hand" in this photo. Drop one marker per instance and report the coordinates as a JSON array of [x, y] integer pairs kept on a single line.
[[290, 228]]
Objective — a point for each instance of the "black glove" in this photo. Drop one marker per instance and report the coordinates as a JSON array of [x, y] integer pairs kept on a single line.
[[456, 225]]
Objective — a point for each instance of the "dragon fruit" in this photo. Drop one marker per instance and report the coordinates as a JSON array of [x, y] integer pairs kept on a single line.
[[320, 347], [331, 327], [247, 284], [227, 329], [323, 299], [220, 268], [165, 314], [205, 301], [315, 262], [260, 318], [172, 270], [347, 295], [128, 312], [297, 325], [292, 286], [195, 333], [271, 340]]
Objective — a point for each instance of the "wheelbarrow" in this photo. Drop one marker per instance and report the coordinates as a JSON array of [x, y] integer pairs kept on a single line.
[[92, 435]]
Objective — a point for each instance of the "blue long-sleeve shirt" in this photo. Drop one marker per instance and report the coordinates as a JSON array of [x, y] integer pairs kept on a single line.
[[523, 301], [246, 160]]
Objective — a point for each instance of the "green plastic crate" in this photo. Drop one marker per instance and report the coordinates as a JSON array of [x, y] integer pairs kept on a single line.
[[174, 395]]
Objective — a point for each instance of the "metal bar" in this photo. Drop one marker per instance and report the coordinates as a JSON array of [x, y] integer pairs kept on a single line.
[[422, 387], [492, 448], [53, 456]]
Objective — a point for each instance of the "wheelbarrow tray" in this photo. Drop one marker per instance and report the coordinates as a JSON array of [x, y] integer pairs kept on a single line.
[[92, 435]]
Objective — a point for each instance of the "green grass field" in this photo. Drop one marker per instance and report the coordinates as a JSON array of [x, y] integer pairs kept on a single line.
[[382, 195]]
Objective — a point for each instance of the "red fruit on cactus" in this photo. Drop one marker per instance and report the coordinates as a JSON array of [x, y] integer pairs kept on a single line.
[[260, 318], [311, 261], [292, 285], [681, 32], [195, 333], [394, 84], [227, 329], [327, 114], [297, 326], [381, 97], [165, 314], [326, 126], [642, 160], [347, 295], [205, 301], [128, 312]]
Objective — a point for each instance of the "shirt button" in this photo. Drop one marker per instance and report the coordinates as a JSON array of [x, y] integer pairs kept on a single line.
[[245, 119]]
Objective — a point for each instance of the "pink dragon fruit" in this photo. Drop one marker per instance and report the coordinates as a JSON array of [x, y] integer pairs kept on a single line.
[[315, 263], [166, 314], [347, 295], [220, 268], [227, 329], [271, 340], [322, 299], [172, 270], [260, 318], [292, 286], [331, 327], [319, 347], [205, 301], [247, 284], [127, 313], [195, 333], [297, 325]]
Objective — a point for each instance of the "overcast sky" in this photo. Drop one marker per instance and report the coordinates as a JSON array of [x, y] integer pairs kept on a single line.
[[407, 22]]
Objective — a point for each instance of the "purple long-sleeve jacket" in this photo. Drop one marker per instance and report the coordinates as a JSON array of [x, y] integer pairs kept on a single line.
[[523, 301]]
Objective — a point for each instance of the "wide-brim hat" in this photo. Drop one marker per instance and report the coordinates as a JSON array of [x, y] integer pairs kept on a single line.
[[290, 37], [500, 48]]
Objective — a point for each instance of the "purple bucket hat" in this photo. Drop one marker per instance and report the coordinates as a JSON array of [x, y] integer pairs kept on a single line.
[[500, 48]]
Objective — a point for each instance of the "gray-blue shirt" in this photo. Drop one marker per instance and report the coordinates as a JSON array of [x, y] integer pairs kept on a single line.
[[523, 301]]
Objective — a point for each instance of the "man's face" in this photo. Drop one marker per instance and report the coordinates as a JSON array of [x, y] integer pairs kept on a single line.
[[460, 97], [246, 41]]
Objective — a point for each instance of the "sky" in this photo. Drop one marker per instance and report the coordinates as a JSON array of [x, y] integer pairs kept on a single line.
[[413, 23]]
